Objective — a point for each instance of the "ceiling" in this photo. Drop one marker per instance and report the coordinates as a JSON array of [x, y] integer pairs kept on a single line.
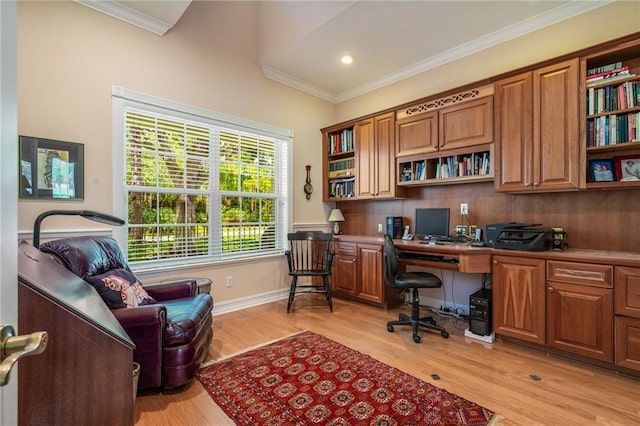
[[301, 42]]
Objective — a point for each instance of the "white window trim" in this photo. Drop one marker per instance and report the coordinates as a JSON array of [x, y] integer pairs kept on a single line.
[[123, 98]]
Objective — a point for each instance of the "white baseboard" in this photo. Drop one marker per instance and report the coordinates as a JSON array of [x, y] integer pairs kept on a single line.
[[249, 301]]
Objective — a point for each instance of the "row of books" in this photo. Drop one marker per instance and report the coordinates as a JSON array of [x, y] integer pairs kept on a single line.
[[340, 168], [469, 165], [341, 141], [418, 172], [613, 98], [604, 68], [342, 189], [613, 129], [610, 74]]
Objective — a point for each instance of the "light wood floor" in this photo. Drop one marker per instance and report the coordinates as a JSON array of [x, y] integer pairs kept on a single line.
[[495, 376]]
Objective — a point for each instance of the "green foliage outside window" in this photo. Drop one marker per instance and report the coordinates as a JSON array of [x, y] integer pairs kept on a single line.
[[170, 190]]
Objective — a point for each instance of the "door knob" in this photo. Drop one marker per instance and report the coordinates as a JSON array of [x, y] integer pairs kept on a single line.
[[13, 347]]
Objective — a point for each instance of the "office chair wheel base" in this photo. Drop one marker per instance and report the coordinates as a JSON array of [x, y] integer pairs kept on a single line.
[[390, 328], [417, 338], [445, 334]]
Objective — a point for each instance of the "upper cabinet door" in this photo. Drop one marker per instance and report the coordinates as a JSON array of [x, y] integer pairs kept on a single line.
[[466, 124], [537, 131], [417, 134], [556, 136], [514, 133], [375, 160], [365, 159], [386, 160]]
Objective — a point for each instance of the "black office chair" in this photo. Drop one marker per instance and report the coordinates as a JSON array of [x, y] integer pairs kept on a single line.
[[310, 255], [413, 281]]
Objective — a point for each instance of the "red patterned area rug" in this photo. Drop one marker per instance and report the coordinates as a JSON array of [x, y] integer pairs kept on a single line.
[[309, 379]]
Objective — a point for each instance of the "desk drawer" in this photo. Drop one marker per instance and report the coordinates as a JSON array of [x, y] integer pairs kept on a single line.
[[580, 273], [345, 248]]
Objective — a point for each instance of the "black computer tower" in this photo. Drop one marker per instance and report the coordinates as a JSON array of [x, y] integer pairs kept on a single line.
[[480, 312], [395, 225]]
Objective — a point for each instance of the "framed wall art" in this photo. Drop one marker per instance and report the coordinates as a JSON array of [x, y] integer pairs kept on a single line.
[[51, 169]]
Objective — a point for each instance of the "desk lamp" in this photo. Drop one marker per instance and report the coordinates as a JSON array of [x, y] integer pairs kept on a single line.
[[336, 217], [87, 214]]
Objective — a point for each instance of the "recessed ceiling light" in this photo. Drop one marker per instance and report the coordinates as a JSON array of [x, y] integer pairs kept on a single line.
[[346, 59]]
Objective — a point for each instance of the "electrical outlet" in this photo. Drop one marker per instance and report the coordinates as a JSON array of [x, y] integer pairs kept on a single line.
[[379, 228], [464, 208], [229, 281]]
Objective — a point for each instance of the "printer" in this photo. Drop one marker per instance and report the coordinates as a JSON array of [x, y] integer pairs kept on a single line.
[[492, 231], [524, 238]]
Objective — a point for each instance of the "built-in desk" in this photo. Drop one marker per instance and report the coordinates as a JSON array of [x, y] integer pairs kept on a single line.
[[358, 265], [577, 302], [469, 259]]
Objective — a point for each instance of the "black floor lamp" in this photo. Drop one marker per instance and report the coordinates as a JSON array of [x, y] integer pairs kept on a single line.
[[87, 214]]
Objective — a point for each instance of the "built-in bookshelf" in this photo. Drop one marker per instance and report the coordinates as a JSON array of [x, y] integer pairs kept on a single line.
[[612, 128], [446, 167], [340, 164]]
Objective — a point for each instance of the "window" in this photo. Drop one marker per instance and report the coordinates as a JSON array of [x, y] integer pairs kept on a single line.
[[195, 185]]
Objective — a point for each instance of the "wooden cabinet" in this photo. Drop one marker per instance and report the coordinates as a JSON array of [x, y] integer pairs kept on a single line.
[[345, 269], [447, 140], [466, 124], [417, 134], [375, 159], [371, 273], [580, 309], [358, 272], [562, 305], [627, 319], [88, 355], [519, 297], [612, 111], [359, 160], [537, 132]]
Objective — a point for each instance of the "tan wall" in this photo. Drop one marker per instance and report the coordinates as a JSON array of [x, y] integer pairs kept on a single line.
[[602, 24], [69, 56]]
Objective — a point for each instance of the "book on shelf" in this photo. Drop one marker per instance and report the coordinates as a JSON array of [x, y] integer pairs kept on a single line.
[[610, 78], [340, 142], [420, 170], [341, 168], [604, 68], [342, 189], [613, 129], [613, 98], [606, 74]]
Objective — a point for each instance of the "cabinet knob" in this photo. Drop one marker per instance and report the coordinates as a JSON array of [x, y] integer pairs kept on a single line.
[[550, 289], [495, 262], [536, 183]]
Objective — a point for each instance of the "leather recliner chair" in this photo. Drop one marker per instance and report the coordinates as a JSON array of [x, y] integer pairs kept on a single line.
[[172, 331]]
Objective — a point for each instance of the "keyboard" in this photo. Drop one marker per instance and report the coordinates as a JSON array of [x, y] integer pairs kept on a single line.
[[421, 256], [428, 257]]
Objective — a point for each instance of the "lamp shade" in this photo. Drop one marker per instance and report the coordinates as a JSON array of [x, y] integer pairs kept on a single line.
[[336, 216]]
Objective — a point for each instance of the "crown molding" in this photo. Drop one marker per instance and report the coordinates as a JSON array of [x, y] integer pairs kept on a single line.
[[129, 15], [291, 81], [558, 14]]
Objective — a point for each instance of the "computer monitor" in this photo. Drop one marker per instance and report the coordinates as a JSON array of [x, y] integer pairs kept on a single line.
[[432, 222]]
